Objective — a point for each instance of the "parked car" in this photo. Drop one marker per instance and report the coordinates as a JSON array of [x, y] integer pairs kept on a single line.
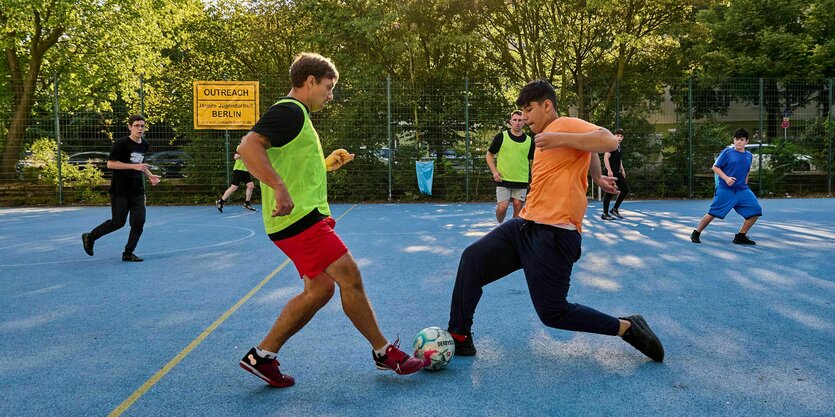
[[169, 164], [803, 162], [96, 159], [26, 164], [383, 155]]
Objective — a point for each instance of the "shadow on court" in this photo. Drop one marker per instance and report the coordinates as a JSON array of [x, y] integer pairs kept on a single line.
[[748, 331]]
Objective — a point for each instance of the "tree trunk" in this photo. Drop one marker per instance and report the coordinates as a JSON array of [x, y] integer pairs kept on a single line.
[[17, 129], [23, 90]]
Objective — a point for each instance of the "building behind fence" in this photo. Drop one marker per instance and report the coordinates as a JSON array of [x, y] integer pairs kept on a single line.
[[671, 140]]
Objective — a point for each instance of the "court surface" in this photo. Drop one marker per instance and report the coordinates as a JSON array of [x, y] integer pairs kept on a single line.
[[748, 331]]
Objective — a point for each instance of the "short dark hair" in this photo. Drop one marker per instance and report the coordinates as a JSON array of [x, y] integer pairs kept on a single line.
[[134, 118], [741, 133], [307, 64], [538, 91], [516, 113], [618, 131]]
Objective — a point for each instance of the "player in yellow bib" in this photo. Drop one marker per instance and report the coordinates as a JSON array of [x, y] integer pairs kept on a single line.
[[512, 172], [283, 151], [239, 175]]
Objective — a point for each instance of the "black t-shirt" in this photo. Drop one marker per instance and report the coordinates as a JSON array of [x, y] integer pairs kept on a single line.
[[614, 161], [128, 182], [280, 125], [496, 145]]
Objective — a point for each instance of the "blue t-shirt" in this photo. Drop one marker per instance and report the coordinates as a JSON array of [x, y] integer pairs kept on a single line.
[[734, 164]]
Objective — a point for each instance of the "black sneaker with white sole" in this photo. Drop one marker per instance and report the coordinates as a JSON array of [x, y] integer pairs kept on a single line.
[[616, 214]]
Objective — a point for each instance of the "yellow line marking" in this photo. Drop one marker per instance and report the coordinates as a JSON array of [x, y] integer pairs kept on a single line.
[[183, 353]]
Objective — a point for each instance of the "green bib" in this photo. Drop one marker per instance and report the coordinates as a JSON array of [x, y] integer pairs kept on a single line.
[[239, 165], [301, 165], [513, 164]]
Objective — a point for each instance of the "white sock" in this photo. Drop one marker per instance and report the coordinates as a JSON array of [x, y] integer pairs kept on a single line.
[[265, 353], [382, 351]]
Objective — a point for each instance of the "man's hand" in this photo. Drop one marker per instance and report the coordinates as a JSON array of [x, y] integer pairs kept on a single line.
[[497, 177], [608, 184], [283, 201], [546, 140], [154, 179], [337, 159], [141, 167], [730, 181]]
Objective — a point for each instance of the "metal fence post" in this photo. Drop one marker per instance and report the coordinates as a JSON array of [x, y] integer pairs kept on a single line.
[[690, 137], [617, 103], [831, 130], [759, 140], [467, 134], [58, 141], [388, 128], [226, 141], [142, 94]]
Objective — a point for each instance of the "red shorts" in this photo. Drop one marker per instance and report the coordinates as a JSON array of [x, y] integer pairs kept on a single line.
[[313, 250]]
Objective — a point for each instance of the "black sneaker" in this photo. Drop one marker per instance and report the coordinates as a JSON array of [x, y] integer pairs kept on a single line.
[[641, 337], [464, 346], [694, 237], [742, 239], [249, 207], [219, 204], [607, 216], [616, 214], [130, 257], [87, 241]]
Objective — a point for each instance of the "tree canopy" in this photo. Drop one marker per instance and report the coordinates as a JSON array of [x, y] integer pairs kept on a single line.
[[591, 50]]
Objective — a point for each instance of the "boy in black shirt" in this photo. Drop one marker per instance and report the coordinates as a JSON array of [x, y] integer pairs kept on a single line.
[[127, 189], [614, 168]]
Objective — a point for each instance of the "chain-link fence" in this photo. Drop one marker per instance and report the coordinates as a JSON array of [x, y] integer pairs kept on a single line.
[[674, 130]]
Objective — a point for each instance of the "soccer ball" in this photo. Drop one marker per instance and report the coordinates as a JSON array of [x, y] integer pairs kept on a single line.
[[437, 344]]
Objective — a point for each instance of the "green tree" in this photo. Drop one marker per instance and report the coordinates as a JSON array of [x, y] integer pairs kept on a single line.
[[100, 49], [587, 48], [787, 44]]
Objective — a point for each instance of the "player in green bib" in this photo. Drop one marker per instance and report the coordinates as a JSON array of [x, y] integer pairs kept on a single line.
[[514, 151], [283, 151], [239, 175]]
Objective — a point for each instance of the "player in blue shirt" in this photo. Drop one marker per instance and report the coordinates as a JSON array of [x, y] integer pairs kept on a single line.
[[732, 192]]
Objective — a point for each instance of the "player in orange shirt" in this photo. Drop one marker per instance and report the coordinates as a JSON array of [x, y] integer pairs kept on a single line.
[[544, 240]]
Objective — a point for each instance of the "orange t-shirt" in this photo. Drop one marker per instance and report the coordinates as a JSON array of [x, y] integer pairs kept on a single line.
[[559, 179]]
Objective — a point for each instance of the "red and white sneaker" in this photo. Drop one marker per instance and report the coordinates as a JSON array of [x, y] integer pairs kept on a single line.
[[266, 369], [398, 361]]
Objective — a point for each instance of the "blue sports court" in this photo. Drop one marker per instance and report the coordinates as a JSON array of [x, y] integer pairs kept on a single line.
[[748, 331]]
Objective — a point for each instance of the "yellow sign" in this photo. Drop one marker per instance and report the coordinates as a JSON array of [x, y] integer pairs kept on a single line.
[[222, 105]]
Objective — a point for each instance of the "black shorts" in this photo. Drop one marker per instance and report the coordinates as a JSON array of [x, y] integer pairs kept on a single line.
[[239, 176]]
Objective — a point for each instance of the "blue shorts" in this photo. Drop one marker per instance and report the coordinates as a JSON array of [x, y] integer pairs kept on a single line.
[[743, 201]]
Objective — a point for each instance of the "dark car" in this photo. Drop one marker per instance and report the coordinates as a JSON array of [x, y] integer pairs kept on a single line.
[[96, 159], [169, 164]]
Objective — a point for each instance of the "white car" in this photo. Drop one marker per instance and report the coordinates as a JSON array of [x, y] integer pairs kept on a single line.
[[805, 162]]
